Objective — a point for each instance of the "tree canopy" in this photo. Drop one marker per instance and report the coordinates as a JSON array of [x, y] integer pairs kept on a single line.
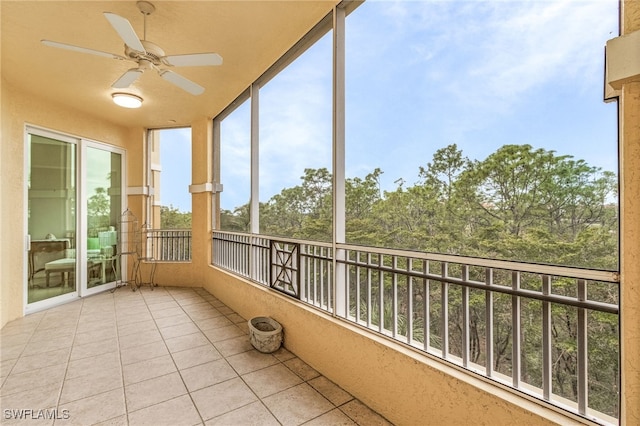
[[519, 203]]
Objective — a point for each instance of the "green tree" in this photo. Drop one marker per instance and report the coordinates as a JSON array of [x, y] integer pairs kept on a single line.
[[172, 218]]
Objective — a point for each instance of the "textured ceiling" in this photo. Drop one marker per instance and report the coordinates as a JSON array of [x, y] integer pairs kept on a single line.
[[249, 35]]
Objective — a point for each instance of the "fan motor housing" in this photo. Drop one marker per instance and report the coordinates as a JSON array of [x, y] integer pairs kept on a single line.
[[153, 54]]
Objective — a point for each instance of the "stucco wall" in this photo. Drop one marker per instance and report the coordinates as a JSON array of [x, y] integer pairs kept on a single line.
[[18, 109]]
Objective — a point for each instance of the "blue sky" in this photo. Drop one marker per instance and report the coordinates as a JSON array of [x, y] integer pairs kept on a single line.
[[425, 74]]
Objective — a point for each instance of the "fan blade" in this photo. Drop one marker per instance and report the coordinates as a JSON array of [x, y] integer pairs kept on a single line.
[[125, 31], [81, 49], [181, 82], [193, 60], [127, 78]]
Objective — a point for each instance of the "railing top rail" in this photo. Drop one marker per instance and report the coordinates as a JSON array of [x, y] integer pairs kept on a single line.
[[510, 265], [169, 230], [275, 238]]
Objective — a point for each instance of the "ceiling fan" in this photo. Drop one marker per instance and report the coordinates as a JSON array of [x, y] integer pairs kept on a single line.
[[146, 54]]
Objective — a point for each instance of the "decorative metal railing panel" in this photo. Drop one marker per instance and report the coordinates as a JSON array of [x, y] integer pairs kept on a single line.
[[548, 331], [285, 267], [168, 245]]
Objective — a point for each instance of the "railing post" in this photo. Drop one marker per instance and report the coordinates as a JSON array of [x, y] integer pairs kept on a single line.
[[488, 300], [515, 331], [583, 387], [546, 340]]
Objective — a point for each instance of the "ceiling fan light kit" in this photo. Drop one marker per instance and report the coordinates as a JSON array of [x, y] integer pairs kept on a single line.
[[146, 54], [127, 100]]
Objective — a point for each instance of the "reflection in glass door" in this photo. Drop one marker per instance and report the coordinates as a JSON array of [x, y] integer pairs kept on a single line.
[[103, 208], [51, 184]]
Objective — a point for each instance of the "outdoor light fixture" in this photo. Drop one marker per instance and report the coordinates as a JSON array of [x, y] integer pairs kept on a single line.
[[127, 100]]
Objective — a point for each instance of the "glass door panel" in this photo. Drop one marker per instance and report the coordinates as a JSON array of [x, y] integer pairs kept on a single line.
[[103, 209], [51, 184]]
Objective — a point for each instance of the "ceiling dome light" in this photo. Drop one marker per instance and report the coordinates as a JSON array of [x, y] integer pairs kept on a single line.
[[127, 100]]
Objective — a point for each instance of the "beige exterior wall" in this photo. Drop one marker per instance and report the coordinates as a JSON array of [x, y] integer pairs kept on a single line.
[[19, 109]]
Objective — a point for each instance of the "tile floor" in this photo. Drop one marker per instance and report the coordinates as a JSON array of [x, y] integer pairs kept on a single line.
[[167, 356]]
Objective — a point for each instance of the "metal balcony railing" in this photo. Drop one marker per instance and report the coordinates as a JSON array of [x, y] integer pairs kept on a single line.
[[548, 331], [168, 245]]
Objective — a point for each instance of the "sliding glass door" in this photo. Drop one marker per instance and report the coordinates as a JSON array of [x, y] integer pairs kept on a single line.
[[52, 206], [102, 211], [75, 199]]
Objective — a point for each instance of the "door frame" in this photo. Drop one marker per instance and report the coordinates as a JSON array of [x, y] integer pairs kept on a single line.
[[81, 144]]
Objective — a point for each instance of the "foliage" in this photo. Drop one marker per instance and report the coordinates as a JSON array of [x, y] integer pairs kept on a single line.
[[172, 218]]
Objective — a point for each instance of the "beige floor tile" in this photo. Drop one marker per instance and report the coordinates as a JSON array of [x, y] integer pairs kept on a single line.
[[195, 356], [283, 354], [95, 409], [233, 346], [85, 366], [34, 397], [254, 414], [223, 333], [177, 411], [153, 391], [188, 341], [271, 380], [9, 340], [301, 368], [169, 312], [95, 335], [204, 375], [225, 310], [91, 384], [11, 352], [186, 301], [222, 398], [6, 367], [244, 327], [362, 414], [138, 327], [94, 348], [127, 318], [45, 359], [203, 306], [178, 330], [39, 347], [54, 333], [236, 319], [140, 338], [19, 382], [148, 369], [159, 306], [330, 390], [88, 327], [142, 352], [332, 418], [116, 421], [213, 322], [98, 317], [297, 405], [172, 320], [252, 360], [217, 304], [204, 314]]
